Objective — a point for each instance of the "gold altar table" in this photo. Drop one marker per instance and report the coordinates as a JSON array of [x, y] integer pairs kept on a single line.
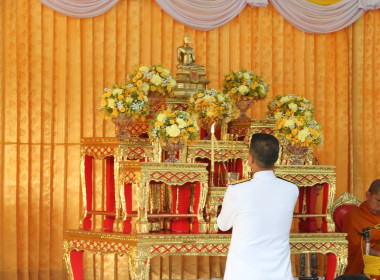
[[140, 248]]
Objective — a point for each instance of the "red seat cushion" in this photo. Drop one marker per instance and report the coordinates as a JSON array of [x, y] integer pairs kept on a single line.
[[339, 214]]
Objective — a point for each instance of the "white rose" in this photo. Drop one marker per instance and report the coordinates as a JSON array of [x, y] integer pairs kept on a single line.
[[145, 87], [166, 71], [156, 79], [173, 130], [111, 103], [117, 91], [243, 89], [144, 68], [293, 107], [209, 98], [161, 117], [284, 99], [128, 100], [220, 98], [308, 114], [289, 123], [278, 116], [261, 88], [181, 123], [303, 134], [172, 83], [246, 76]]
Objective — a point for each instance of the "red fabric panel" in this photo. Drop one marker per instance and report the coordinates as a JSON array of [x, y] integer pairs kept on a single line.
[[326, 188], [310, 224], [76, 260], [181, 224], [331, 266], [87, 224], [110, 193]]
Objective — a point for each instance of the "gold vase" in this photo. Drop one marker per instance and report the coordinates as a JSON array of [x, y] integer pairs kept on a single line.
[[121, 125], [155, 101], [172, 149], [296, 155], [207, 124], [243, 105]]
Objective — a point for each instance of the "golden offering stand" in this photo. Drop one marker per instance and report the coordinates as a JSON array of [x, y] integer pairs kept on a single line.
[[140, 248]]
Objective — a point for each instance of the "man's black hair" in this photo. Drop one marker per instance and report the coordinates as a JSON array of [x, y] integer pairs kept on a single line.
[[264, 148]]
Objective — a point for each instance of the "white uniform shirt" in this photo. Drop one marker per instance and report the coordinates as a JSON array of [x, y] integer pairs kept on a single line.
[[260, 211]]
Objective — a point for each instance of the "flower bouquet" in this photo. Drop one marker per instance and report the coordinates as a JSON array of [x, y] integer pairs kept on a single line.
[[173, 129], [212, 106], [155, 80], [124, 104], [295, 124], [244, 87]]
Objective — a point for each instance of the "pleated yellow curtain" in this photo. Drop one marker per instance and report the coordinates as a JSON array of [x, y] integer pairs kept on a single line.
[[54, 69]]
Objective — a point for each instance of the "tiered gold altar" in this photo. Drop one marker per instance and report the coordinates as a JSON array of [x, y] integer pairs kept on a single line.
[[159, 208]]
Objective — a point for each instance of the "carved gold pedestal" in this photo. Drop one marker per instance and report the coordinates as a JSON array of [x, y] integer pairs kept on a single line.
[[140, 248]]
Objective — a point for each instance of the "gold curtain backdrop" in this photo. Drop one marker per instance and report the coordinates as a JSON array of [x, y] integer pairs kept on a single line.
[[54, 69]]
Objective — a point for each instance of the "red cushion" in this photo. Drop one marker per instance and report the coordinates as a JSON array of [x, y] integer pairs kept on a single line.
[[339, 214]]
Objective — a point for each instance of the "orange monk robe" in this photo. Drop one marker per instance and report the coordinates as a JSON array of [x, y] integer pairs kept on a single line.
[[353, 223]]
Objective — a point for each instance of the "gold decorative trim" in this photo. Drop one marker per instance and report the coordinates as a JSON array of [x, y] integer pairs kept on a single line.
[[142, 247]]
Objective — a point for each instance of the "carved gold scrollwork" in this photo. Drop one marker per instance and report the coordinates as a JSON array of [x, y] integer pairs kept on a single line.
[[139, 262]]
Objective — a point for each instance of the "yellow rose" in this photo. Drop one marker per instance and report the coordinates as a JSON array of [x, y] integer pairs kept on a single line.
[[159, 69], [139, 83], [111, 103], [289, 123], [104, 103], [158, 123], [153, 88], [122, 110], [161, 117], [144, 69], [120, 97], [233, 90], [277, 115], [114, 112]]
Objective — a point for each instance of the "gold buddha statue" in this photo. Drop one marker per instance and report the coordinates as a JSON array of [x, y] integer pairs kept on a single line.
[[191, 77], [186, 56]]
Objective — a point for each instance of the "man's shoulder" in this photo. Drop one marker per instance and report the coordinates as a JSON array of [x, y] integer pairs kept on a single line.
[[285, 181], [240, 182]]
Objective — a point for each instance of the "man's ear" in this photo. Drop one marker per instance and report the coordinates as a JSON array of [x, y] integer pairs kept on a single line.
[[367, 195], [251, 159]]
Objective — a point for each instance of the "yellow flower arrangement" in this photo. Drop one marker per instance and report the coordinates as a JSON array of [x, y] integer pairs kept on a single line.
[[173, 126], [124, 100], [153, 78], [212, 105], [295, 123], [245, 85]]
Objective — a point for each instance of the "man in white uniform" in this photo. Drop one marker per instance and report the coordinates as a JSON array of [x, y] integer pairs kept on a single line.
[[260, 212]]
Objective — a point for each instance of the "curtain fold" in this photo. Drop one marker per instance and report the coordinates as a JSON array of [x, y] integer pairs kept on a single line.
[[313, 16], [54, 69]]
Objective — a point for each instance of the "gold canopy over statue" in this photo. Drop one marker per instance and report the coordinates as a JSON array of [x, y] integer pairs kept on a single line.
[[191, 77]]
